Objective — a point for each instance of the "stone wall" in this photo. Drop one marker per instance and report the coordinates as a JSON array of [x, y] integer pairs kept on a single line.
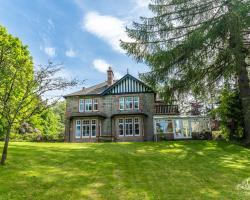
[[108, 106]]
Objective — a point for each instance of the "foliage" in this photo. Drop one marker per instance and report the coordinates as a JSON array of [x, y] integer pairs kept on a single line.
[[143, 170], [23, 90], [193, 46], [229, 112]]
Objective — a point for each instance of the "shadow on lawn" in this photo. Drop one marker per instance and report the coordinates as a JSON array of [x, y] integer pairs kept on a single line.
[[165, 170]]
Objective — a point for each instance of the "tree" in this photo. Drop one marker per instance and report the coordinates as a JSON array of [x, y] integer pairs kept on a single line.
[[194, 45], [23, 90], [229, 112]]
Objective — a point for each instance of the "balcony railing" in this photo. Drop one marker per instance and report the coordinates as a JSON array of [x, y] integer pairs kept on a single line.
[[166, 109]]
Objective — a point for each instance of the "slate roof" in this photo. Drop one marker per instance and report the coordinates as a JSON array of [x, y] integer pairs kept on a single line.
[[94, 90], [103, 88]]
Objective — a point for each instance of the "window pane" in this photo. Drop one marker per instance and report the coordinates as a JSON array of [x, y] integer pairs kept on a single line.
[[88, 105], [121, 129], [195, 125], [93, 130], [78, 129], [177, 124], [81, 105], [161, 126], [129, 126], [185, 128], [129, 103], [136, 103], [85, 128], [121, 103], [95, 102], [169, 126]]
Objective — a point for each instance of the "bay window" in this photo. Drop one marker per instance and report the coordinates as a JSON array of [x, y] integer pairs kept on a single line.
[[129, 126]]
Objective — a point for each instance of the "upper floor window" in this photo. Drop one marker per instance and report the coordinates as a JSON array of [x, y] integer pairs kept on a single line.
[[136, 103], [121, 103], [95, 104], [88, 105], [81, 105], [129, 103]]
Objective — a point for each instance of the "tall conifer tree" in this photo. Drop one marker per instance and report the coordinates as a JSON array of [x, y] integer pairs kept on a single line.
[[192, 45]]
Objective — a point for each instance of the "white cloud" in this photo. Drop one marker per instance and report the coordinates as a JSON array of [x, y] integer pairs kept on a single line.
[[108, 28], [70, 53], [50, 51], [142, 3], [102, 66]]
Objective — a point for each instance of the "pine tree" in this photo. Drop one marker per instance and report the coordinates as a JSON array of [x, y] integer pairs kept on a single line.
[[192, 45]]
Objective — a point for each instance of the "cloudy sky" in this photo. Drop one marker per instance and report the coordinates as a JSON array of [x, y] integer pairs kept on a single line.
[[82, 34]]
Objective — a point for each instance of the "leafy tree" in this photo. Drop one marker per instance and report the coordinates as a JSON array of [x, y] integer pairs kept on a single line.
[[193, 45], [229, 112], [22, 89]]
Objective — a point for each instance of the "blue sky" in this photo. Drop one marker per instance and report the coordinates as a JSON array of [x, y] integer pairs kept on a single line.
[[82, 34]]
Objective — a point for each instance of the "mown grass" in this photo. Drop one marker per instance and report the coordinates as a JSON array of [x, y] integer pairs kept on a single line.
[[165, 170]]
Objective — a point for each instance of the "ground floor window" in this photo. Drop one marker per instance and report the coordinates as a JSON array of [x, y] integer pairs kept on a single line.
[[182, 127], [86, 128], [129, 126]]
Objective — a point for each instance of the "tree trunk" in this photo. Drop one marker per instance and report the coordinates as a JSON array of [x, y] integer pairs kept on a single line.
[[6, 144], [244, 88]]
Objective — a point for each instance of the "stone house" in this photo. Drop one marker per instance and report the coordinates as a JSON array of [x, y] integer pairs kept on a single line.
[[122, 110]]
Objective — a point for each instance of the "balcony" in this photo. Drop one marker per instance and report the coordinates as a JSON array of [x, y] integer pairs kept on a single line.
[[166, 110]]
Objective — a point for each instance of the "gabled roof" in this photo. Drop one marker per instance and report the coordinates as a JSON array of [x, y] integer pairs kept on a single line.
[[94, 90], [127, 84]]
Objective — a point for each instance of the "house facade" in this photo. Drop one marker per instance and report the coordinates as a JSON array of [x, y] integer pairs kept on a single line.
[[123, 110]]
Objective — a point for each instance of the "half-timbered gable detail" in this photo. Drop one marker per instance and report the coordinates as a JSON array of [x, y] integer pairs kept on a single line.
[[128, 84]]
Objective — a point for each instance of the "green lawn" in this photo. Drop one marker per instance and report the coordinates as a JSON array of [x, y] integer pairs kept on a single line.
[[165, 170]]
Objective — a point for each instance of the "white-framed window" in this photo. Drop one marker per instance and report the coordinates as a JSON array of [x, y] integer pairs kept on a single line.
[[136, 103], [81, 105], [85, 128], [129, 127], [88, 105], [121, 103], [121, 127], [95, 104], [136, 126], [93, 128], [78, 129], [129, 103]]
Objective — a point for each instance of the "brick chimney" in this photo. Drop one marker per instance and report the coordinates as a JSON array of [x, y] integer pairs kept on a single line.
[[110, 75]]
